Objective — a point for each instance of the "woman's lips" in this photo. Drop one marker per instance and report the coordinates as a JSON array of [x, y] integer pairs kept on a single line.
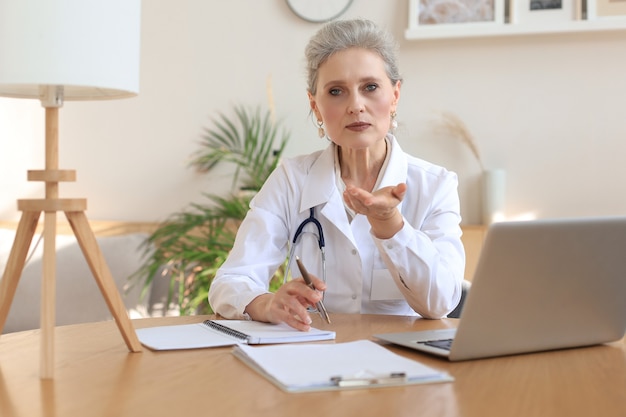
[[358, 126]]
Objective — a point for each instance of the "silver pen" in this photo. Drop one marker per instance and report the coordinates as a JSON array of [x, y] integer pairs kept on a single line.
[[307, 279]]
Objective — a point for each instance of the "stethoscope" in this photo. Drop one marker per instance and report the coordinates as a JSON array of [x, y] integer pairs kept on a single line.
[[320, 241]]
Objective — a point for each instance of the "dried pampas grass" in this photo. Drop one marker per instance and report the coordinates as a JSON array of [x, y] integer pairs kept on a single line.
[[452, 125]]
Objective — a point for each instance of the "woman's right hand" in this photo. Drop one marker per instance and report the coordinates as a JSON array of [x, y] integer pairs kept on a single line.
[[288, 304]]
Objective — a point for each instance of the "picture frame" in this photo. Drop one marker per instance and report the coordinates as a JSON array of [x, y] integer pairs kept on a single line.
[[606, 9], [544, 12], [454, 14]]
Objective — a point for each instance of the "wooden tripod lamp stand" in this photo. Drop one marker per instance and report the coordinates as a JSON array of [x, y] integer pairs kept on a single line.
[[57, 50]]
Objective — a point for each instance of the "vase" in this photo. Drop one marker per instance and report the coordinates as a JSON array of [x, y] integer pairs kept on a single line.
[[494, 193]]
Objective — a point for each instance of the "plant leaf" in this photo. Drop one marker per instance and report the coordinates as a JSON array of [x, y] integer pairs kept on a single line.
[[189, 246]]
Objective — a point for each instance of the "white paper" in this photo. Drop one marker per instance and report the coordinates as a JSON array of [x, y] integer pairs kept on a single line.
[[184, 336], [311, 366]]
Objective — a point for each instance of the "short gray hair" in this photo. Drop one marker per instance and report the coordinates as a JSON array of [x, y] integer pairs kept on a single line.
[[340, 35]]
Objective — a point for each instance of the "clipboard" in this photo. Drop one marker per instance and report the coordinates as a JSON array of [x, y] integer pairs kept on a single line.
[[323, 367]]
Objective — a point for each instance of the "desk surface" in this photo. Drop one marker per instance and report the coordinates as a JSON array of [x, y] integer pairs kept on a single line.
[[95, 375]]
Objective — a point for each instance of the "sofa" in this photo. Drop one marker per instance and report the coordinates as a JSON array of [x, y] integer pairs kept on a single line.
[[78, 298]]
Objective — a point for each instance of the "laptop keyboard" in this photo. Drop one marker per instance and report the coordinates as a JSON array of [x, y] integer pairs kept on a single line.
[[445, 344]]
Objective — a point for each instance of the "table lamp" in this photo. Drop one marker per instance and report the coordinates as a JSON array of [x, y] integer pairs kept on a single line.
[[57, 50]]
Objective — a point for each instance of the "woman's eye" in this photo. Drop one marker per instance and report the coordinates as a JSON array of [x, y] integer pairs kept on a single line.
[[371, 87], [335, 92]]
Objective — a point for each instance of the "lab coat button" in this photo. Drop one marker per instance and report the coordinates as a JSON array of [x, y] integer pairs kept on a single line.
[[354, 251], [354, 296]]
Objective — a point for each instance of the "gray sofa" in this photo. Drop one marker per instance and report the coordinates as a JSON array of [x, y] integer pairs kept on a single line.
[[78, 299]]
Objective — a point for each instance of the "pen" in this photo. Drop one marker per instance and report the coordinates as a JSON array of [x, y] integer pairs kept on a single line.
[[307, 279]]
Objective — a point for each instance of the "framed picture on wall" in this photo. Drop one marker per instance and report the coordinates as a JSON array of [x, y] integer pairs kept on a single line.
[[442, 14], [544, 12], [606, 9]]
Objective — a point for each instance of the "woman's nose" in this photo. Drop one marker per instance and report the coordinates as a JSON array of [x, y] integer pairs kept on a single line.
[[355, 105]]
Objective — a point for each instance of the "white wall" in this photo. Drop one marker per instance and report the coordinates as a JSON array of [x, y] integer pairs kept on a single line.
[[549, 109]]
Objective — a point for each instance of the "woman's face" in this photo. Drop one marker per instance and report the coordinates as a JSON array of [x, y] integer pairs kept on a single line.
[[354, 98]]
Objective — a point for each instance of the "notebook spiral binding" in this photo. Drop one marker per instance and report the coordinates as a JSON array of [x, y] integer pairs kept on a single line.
[[226, 330]]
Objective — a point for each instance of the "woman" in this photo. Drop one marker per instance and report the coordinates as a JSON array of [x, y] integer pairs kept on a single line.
[[390, 221]]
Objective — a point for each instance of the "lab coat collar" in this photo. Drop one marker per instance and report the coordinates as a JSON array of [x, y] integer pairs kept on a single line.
[[397, 167], [319, 185]]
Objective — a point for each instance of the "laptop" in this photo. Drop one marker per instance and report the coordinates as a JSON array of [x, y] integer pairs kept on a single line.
[[539, 285]]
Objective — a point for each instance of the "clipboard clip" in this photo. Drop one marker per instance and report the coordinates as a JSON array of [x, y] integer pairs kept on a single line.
[[393, 378]]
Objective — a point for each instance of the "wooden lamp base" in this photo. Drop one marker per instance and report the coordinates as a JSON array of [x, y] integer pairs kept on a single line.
[[74, 210]]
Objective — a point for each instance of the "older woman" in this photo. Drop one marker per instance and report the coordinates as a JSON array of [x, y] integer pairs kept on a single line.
[[387, 222]]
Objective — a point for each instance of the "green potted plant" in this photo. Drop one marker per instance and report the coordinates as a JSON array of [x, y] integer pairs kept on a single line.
[[189, 246]]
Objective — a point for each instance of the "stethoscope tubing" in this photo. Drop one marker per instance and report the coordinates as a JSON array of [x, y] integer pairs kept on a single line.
[[320, 231], [320, 240]]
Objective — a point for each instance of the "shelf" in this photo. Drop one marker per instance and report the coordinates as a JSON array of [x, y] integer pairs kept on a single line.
[[469, 30]]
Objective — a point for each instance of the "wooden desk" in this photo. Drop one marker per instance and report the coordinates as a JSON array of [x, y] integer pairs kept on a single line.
[[95, 375]]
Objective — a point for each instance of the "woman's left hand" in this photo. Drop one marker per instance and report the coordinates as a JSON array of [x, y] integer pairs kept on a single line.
[[380, 207]]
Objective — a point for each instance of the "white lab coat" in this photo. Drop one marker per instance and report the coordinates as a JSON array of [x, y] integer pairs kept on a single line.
[[417, 272]]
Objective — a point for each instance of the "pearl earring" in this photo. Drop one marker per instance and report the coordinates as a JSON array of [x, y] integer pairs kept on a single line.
[[394, 122], [320, 130]]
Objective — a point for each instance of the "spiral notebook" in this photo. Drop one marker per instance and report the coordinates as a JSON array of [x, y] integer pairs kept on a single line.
[[215, 333]]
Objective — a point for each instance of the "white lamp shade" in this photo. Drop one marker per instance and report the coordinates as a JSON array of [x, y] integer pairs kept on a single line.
[[90, 47]]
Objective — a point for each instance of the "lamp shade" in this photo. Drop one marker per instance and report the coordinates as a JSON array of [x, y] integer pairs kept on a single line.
[[89, 47]]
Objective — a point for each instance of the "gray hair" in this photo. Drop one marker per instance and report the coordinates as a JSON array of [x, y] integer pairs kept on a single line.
[[344, 34]]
